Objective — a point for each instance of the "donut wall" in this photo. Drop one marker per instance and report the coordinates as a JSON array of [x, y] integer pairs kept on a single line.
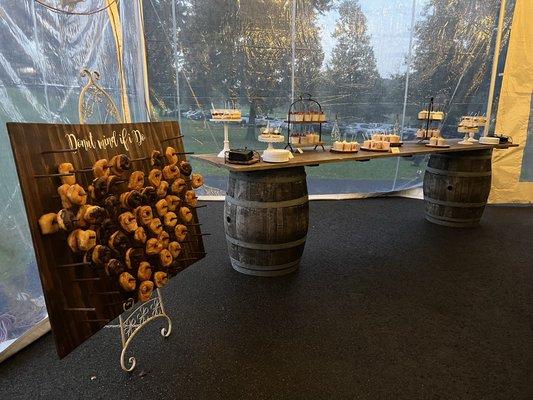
[[112, 214]]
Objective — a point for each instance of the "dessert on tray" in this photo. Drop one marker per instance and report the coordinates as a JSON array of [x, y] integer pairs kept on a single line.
[[345, 146], [273, 134], [469, 125], [230, 112]]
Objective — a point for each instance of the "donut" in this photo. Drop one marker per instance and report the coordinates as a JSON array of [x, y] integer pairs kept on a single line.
[[145, 291], [164, 239], [112, 204], [72, 240], [197, 180], [62, 191], [133, 257], [86, 239], [127, 281], [145, 271], [170, 219], [157, 159], [153, 247], [76, 195], [131, 199], [170, 172], [67, 168], [139, 235], [170, 154], [155, 226], [101, 254], [105, 230], [180, 231], [162, 189], [178, 186], [165, 258], [101, 169], [98, 188], [161, 207], [95, 215], [150, 194], [127, 221], [80, 216], [154, 177], [119, 164], [175, 249], [185, 168], [118, 241], [113, 182], [66, 219], [160, 279], [190, 198], [185, 214], [143, 214], [114, 267], [48, 223], [173, 202], [136, 181]]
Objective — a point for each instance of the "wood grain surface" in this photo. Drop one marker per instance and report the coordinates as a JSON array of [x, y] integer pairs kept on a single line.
[[82, 299]]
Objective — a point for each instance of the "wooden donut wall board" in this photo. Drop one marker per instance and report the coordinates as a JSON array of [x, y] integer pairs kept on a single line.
[[83, 296]]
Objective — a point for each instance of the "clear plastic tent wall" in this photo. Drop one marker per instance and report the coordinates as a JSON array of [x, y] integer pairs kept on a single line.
[[42, 53], [356, 57]]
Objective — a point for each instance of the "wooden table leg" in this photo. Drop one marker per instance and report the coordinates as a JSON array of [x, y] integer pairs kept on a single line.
[[457, 186], [266, 216]]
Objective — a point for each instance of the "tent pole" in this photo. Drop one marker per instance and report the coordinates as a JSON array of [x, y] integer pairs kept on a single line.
[[293, 47], [495, 66], [176, 61]]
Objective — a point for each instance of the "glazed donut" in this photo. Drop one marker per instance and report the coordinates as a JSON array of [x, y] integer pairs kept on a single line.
[[95, 215], [62, 191], [112, 204], [127, 221], [162, 189], [155, 226], [67, 168], [197, 180], [101, 169], [178, 186], [86, 239], [144, 214], [185, 214], [112, 182], [127, 282], [173, 202], [132, 199], [105, 230], [170, 219], [175, 249], [101, 254], [98, 188], [133, 257], [161, 207], [153, 247], [80, 216], [72, 240], [160, 279], [48, 223], [180, 231], [119, 164], [170, 154], [76, 195], [136, 181], [170, 172], [154, 177], [114, 267], [164, 239], [190, 198], [139, 235], [165, 258], [150, 194], [185, 168], [66, 219], [145, 271], [145, 291], [157, 159], [118, 241]]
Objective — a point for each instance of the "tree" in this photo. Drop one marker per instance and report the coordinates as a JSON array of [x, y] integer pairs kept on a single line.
[[352, 72]]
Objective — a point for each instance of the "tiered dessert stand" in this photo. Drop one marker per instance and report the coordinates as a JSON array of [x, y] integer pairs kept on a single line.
[[306, 103]]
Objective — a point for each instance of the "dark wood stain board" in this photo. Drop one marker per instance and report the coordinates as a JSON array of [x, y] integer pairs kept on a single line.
[[82, 299]]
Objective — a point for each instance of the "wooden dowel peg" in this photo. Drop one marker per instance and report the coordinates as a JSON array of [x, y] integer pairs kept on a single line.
[[79, 309], [59, 151], [200, 206], [52, 175], [180, 153], [171, 138], [85, 279], [83, 171], [110, 293], [200, 234], [193, 224], [139, 159], [78, 264]]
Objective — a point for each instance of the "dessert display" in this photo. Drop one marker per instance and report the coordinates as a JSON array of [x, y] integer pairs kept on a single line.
[[127, 219], [345, 146], [302, 114], [230, 112], [382, 142], [270, 154], [469, 125], [271, 135], [429, 116], [307, 116]]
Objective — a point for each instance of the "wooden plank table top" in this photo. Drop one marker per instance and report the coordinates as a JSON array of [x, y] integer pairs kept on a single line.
[[316, 157]]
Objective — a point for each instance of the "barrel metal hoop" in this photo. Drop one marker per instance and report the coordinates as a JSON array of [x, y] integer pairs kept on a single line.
[[452, 223], [444, 172], [264, 268], [267, 179], [267, 204], [265, 246], [454, 203], [451, 219]]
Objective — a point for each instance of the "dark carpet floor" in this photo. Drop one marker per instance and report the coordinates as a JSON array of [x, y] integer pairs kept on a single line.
[[385, 306]]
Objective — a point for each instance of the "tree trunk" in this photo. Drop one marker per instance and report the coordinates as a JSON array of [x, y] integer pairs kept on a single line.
[[250, 133]]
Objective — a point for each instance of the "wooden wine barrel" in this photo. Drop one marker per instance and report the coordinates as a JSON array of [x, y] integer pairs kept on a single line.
[[456, 187], [266, 216]]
